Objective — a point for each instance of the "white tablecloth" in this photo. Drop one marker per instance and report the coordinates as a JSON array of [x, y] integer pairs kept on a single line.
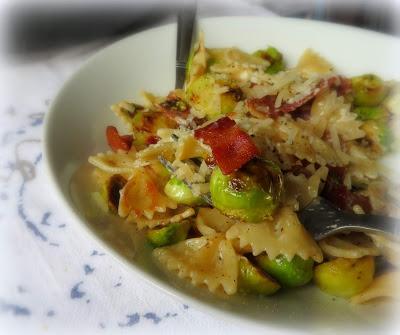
[[54, 279]]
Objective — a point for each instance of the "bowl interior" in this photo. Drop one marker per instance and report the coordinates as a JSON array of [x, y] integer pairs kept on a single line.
[[75, 129]]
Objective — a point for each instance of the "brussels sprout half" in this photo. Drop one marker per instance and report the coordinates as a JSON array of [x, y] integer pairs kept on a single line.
[[293, 273], [368, 90], [344, 277], [203, 94], [251, 193], [177, 190], [274, 57], [365, 113], [376, 122], [173, 233], [253, 280]]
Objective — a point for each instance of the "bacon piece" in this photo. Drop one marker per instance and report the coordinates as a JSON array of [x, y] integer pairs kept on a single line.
[[337, 193], [152, 139], [341, 84], [116, 141], [304, 111], [265, 106], [230, 145], [214, 130]]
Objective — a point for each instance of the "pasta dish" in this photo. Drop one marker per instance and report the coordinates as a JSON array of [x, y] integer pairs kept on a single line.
[[216, 173]]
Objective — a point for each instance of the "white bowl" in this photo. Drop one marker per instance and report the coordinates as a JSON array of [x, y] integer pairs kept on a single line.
[[77, 119]]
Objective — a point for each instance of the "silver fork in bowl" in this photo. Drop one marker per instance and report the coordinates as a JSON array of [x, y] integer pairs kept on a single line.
[[185, 39], [322, 219]]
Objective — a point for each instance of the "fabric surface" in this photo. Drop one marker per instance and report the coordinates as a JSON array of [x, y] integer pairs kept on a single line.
[[54, 279]]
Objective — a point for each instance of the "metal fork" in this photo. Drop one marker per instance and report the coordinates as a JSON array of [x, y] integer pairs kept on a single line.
[[321, 220], [186, 38]]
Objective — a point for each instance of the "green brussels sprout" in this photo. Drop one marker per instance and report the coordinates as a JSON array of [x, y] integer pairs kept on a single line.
[[368, 90], [379, 131], [272, 55], [197, 61], [296, 272], [275, 67], [173, 233], [177, 190], [344, 277], [385, 134], [227, 56], [253, 280], [230, 99], [365, 113], [202, 93], [251, 193]]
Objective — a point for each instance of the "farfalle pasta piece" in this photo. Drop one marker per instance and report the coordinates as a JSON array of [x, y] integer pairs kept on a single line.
[[190, 147], [156, 219], [353, 245], [126, 111], [332, 113], [238, 65], [151, 101], [198, 64], [152, 152], [362, 168], [311, 62], [383, 286], [302, 189], [114, 162], [297, 139], [390, 249], [282, 235], [210, 221], [207, 260], [143, 194], [379, 197]]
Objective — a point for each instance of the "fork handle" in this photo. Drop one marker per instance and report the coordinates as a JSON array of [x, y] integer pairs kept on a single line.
[[185, 28]]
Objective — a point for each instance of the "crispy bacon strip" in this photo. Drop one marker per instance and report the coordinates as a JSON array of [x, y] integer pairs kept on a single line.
[[341, 84], [152, 139], [265, 106], [304, 111], [230, 145], [116, 141]]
